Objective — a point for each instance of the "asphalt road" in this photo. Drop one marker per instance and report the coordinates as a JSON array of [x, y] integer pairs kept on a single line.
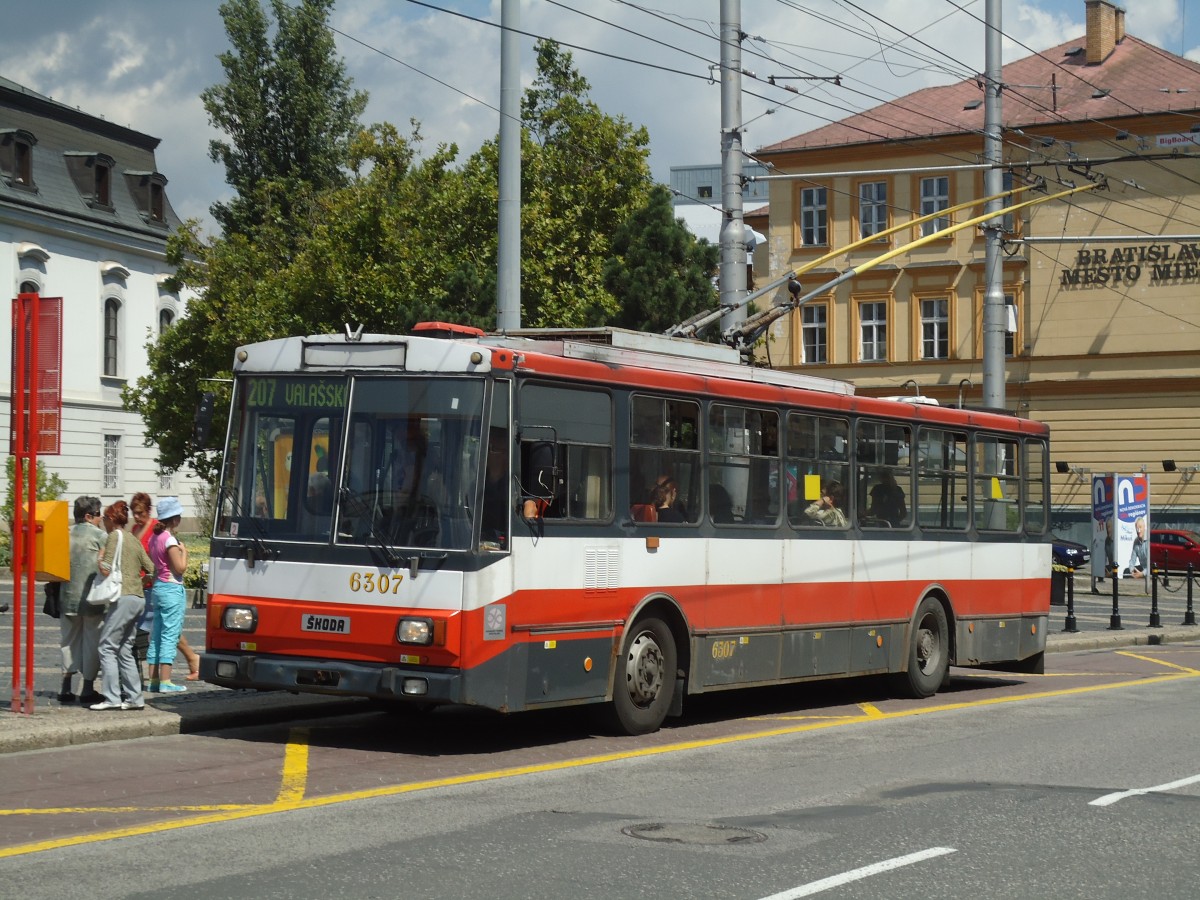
[[1079, 783]]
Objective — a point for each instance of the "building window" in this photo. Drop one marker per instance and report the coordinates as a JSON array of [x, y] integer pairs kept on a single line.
[[165, 482], [166, 318], [872, 208], [814, 333], [872, 322], [92, 174], [1010, 321], [935, 196], [103, 190], [112, 462], [112, 331], [1010, 325], [16, 157], [704, 192], [156, 203], [814, 217], [935, 329]]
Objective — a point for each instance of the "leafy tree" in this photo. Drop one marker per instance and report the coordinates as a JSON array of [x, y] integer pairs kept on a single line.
[[582, 173], [659, 273], [287, 107], [402, 238]]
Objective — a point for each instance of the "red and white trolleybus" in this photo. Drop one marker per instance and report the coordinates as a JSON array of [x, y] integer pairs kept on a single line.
[[543, 519]]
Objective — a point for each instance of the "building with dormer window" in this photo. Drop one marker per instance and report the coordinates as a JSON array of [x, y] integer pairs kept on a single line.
[[84, 215]]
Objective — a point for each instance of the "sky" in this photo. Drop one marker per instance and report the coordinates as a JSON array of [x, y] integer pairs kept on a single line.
[[143, 64]]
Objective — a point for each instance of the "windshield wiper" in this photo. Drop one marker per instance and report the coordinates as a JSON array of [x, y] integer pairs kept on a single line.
[[258, 547], [361, 511]]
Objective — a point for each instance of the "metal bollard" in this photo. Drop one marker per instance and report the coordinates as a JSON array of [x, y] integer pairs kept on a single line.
[[1155, 619], [1189, 617], [1114, 621], [1069, 625]]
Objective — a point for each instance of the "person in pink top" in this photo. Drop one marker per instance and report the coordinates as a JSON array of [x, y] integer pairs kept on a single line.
[[170, 562]]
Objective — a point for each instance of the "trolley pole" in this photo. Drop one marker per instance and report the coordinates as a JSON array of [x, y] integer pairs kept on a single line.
[[1069, 625], [1114, 622]]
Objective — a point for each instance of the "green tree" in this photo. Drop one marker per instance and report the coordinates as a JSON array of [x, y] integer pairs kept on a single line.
[[404, 238], [286, 106], [582, 173], [659, 273]]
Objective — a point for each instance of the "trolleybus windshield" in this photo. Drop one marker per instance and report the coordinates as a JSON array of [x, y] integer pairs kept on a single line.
[[353, 461]]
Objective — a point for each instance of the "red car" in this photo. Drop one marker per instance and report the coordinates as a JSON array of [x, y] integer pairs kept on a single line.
[[1173, 548]]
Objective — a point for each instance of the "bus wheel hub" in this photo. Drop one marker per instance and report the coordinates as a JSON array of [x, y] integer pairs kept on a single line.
[[644, 669]]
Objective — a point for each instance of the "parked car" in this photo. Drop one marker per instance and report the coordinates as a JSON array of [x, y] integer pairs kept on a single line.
[[1173, 548], [1070, 553]]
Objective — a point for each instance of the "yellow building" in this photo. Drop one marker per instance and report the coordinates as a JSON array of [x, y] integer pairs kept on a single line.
[[1102, 289]]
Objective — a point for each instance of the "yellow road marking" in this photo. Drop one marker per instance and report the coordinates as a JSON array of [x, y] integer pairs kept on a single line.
[[871, 710], [1161, 662], [560, 766], [295, 767]]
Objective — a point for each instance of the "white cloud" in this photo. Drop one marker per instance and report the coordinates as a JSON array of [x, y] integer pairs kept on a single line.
[[144, 65]]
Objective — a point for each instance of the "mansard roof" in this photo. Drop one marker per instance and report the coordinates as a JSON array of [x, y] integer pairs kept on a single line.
[[61, 137], [1053, 87]]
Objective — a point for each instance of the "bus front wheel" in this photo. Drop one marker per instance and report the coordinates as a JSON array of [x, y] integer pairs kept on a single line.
[[645, 678], [928, 652]]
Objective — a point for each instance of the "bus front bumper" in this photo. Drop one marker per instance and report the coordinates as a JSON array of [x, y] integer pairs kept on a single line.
[[335, 677]]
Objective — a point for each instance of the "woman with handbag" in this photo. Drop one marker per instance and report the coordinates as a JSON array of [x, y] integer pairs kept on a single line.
[[121, 561], [79, 621]]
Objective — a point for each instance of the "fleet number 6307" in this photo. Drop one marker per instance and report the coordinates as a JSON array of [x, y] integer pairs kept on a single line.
[[375, 583]]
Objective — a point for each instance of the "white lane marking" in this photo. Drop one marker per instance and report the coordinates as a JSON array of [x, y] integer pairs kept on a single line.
[[1110, 799], [815, 887]]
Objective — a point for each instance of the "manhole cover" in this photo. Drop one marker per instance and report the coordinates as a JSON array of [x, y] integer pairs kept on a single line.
[[685, 833]]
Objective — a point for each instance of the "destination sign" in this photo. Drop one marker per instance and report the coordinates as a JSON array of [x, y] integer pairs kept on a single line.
[[294, 393]]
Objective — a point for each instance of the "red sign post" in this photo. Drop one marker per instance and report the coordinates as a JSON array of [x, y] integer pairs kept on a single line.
[[36, 378]]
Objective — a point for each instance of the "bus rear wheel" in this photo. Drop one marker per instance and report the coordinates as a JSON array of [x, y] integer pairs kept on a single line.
[[645, 678], [928, 652]]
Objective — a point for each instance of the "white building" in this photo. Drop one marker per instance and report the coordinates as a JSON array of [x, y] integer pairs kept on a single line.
[[84, 216]]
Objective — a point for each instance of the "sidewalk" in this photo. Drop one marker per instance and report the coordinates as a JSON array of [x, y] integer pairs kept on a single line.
[[203, 708]]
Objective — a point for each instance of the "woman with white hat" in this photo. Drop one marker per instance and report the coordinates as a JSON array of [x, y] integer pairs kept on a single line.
[[170, 600]]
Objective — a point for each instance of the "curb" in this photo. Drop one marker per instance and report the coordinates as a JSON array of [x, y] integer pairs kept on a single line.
[[52, 726], [1063, 642]]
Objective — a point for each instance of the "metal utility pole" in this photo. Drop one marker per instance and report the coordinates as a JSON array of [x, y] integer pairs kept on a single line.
[[733, 231], [995, 324], [508, 267]]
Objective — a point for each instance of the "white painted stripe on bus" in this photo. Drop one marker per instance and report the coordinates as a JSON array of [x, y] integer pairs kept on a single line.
[[1110, 799], [563, 563], [887, 865]]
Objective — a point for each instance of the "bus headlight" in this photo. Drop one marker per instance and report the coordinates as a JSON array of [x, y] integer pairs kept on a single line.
[[415, 631], [239, 618]]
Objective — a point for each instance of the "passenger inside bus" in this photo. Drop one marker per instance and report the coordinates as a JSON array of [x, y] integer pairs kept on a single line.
[[663, 499], [720, 504], [827, 511], [888, 501], [539, 480], [677, 504]]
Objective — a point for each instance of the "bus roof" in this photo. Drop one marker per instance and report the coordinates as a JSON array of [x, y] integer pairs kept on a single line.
[[608, 354]]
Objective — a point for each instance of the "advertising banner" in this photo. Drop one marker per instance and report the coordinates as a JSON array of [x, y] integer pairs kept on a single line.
[[1102, 525], [1132, 538]]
